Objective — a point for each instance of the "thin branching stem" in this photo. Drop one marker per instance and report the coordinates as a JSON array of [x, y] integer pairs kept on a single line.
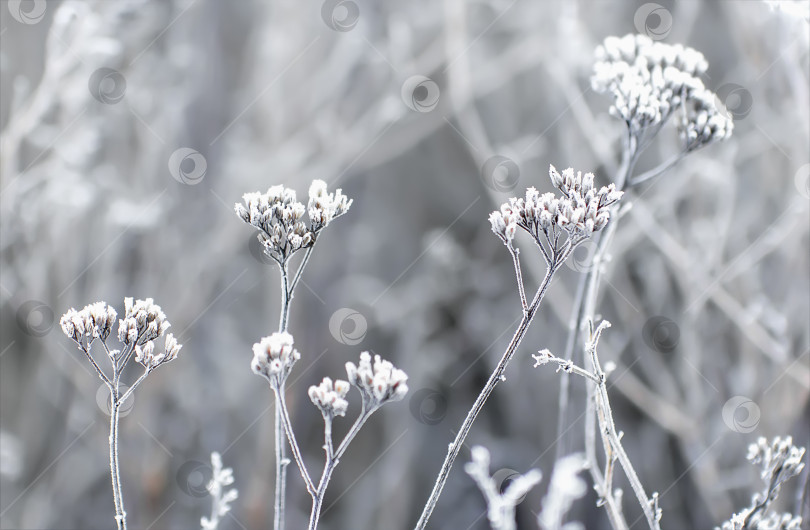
[[494, 379], [519, 276]]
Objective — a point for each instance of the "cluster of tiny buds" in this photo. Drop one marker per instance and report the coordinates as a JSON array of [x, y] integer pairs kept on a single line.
[[274, 357], [581, 211], [94, 321], [143, 321], [379, 383], [330, 397], [279, 216], [649, 80], [146, 354], [780, 459]]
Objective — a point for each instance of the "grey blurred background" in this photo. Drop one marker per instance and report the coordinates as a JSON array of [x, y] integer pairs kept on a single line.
[[708, 289]]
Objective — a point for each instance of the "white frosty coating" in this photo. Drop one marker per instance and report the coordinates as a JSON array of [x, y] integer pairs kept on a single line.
[[780, 460], [94, 321], [650, 80], [221, 499], [330, 397], [279, 216], [379, 383], [145, 354], [500, 506], [143, 321], [581, 211], [566, 487], [274, 356]]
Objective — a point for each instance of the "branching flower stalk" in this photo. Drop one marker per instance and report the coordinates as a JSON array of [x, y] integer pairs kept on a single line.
[[557, 225], [779, 461], [611, 438], [143, 323], [378, 384], [651, 84], [566, 486], [278, 216]]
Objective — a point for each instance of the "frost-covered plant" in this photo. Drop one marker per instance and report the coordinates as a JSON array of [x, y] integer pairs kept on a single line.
[[779, 460], [565, 488], [278, 216], [220, 498], [500, 504], [651, 81], [611, 438], [282, 231], [378, 384], [557, 225], [143, 323], [650, 84]]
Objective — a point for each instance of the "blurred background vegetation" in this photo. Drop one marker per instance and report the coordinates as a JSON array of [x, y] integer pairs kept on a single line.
[[708, 288]]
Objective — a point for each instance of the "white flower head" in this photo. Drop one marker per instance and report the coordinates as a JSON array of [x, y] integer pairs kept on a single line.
[[279, 217], [379, 383], [274, 357], [650, 80], [330, 398], [95, 321]]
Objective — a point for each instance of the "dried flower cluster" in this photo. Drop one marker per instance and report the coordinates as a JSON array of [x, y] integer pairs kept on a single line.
[[221, 499], [143, 323], [274, 357], [581, 211], [650, 80], [279, 217], [94, 321], [779, 460], [330, 397], [379, 383]]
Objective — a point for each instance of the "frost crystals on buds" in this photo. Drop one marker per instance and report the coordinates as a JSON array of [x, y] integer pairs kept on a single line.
[[279, 217], [274, 357], [379, 383], [330, 397], [580, 211], [94, 321], [650, 81]]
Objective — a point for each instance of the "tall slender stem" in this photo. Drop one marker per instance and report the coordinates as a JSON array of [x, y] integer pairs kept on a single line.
[[279, 439], [585, 284], [120, 514], [493, 380]]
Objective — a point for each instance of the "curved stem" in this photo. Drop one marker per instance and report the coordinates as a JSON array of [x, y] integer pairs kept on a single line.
[[493, 380]]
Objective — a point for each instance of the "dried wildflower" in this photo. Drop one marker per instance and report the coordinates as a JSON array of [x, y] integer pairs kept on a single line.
[[274, 357], [780, 460], [378, 384], [94, 321], [330, 397], [500, 505], [142, 324], [143, 321], [581, 211], [279, 217], [221, 499], [324, 207], [650, 80], [144, 354]]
